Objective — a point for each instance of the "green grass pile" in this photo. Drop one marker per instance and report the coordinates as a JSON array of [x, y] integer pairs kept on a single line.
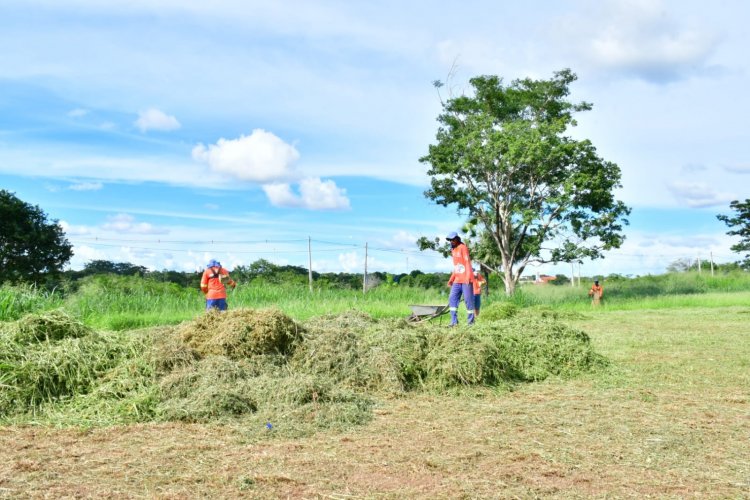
[[49, 357], [249, 363], [264, 369], [241, 333], [336, 346], [461, 356], [534, 348], [499, 310], [212, 387]]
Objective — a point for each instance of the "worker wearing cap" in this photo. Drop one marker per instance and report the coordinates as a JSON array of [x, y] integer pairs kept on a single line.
[[461, 280], [212, 286]]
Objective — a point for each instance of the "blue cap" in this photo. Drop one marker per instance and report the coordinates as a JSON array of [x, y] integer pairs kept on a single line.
[[451, 235], [213, 263]]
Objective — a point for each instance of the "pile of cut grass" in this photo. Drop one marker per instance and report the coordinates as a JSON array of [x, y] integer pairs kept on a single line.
[[264, 369], [241, 333], [48, 357]]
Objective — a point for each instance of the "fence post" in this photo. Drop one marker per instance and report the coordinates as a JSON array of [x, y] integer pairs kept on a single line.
[[364, 276], [309, 262]]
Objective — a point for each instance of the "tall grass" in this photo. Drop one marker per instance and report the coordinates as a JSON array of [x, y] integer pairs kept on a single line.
[[112, 302], [126, 302], [301, 303], [649, 292], [17, 300]]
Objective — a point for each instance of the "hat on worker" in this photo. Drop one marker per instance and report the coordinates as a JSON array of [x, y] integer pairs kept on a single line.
[[451, 235], [214, 263]]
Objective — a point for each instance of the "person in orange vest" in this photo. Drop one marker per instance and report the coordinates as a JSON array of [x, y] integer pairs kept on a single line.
[[596, 293], [461, 280], [212, 286], [479, 282]]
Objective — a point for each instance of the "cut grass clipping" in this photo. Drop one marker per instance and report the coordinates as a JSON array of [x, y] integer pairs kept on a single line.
[[264, 369]]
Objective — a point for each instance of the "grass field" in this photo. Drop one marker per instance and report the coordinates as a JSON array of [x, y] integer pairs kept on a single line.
[[669, 418]]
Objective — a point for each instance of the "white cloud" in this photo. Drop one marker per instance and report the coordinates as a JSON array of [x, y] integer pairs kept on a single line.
[[651, 40], [699, 194], [738, 168], [124, 223], [259, 157], [154, 119], [84, 254], [692, 168], [323, 195], [314, 194], [281, 195], [86, 186], [64, 162], [643, 40], [71, 230], [651, 253], [78, 112], [351, 262]]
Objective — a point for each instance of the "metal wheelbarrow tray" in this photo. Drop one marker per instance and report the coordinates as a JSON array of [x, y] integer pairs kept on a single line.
[[423, 312]]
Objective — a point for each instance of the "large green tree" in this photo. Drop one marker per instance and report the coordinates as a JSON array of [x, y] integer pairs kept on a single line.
[[740, 221], [31, 247], [533, 193]]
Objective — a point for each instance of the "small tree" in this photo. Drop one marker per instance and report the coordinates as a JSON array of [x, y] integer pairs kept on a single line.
[[539, 196], [31, 248], [680, 265], [741, 221]]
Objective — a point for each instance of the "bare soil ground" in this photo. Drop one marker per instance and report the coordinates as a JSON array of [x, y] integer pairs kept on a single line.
[[670, 420]]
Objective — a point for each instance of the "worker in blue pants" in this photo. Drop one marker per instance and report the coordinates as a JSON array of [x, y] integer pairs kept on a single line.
[[461, 280]]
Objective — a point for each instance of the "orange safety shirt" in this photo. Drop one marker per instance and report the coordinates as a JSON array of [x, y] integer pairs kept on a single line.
[[212, 283], [596, 289], [478, 282], [462, 272]]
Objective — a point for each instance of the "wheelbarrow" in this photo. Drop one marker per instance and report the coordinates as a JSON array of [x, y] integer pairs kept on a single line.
[[421, 312]]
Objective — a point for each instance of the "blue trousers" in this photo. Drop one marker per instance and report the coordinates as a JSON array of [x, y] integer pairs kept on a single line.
[[220, 304], [457, 290]]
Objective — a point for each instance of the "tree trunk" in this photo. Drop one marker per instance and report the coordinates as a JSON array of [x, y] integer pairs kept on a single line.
[[510, 282]]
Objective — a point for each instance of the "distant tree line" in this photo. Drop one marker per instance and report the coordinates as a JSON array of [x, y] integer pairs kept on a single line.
[[261, 270], [35, 250]]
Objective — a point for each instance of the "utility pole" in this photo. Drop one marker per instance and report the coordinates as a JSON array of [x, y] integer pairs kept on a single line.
[[712, 262], [364, 276], [309, 262], [699, 264]]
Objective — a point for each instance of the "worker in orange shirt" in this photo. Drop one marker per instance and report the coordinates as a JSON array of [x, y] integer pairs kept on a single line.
[[478, 283], [461, 280], [212, 286], [596, 293]]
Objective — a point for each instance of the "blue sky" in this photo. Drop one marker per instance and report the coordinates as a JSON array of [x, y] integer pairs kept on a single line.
[[168, 133]]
